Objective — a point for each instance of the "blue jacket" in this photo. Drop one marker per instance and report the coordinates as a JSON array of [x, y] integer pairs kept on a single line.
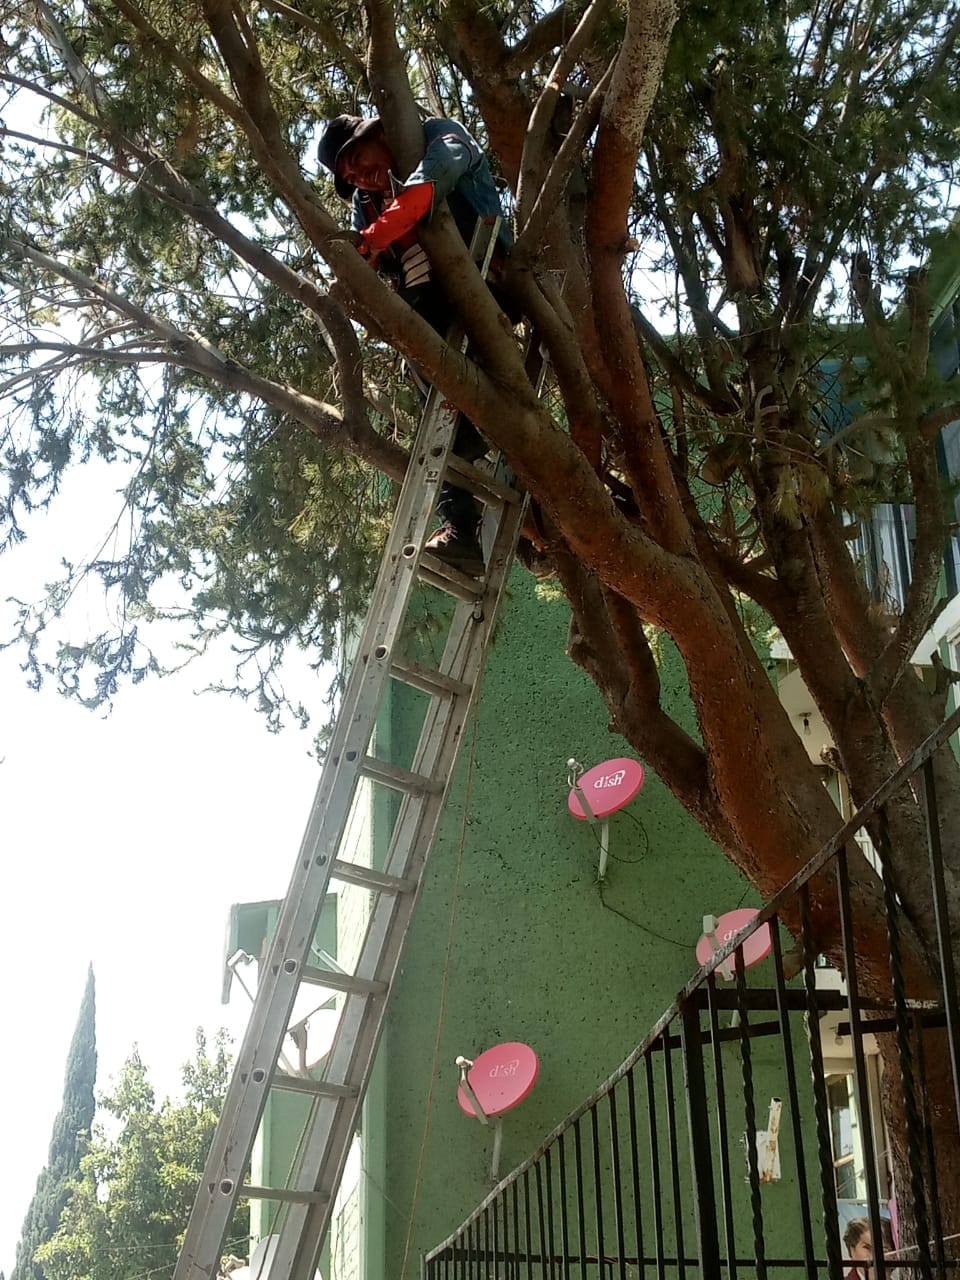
[[459, 171]]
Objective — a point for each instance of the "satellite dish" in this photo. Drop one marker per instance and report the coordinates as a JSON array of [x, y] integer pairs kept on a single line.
[[757, 947], [608, 787], [601, 791], [495, 1083], [261, 1260], [310, 1034], [500, 1078]]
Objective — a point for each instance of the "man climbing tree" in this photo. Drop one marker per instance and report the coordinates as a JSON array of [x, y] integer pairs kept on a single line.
[[386, 215], [734, 237]]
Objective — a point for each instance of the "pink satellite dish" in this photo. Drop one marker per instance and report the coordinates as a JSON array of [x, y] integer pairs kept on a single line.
[[608, 787], [500, 1077], [756, 947]]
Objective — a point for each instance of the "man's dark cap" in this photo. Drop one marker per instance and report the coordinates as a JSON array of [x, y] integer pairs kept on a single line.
[[338, 134]]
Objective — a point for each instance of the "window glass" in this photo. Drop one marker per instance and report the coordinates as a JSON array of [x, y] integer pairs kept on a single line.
[[848, 1163]]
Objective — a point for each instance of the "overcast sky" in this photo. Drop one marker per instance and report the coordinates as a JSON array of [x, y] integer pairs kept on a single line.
[[124, 841]]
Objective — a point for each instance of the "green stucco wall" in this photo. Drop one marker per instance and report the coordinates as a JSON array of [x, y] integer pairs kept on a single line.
[[536, 955]]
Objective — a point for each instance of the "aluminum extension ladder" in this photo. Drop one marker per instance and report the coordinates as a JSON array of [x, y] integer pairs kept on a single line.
[[306, 1205]]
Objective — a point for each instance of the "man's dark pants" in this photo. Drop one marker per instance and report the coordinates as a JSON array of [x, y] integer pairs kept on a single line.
[[456, 507]]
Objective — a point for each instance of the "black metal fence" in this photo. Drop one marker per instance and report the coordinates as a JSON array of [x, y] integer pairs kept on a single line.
[[756, 1123]]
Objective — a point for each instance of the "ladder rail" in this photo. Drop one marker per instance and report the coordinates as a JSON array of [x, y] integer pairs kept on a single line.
[[322, 1164], [306, 1204], [249, 1087]]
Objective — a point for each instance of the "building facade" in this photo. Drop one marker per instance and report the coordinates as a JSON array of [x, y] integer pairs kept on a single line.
[[514, 939]]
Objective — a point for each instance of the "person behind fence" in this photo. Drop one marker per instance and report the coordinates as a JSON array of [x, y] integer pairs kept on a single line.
[[859, 1246], [386, 213]]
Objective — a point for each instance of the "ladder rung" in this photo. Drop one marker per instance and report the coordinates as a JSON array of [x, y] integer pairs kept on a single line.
[[282, 1193], [391, 775], [448, 579], [479, 483], [353, 873], [331, 1106], [318, 1088], [418, 677], [342, 982]]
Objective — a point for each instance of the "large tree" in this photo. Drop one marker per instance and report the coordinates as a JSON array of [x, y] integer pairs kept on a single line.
[[723, 216], [68, 1141], [129, 1204]]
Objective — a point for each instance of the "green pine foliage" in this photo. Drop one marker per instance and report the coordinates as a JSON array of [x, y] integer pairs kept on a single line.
[[785, 139], [69, 1143], [171, 310], [249, 523], [129, 1205]]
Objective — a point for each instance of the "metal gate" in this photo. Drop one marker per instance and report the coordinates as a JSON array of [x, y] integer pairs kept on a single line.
[[685, 1162]]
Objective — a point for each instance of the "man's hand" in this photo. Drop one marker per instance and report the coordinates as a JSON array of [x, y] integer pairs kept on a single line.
[[400, 216], [362, 247], [369, 254], [348, 235]]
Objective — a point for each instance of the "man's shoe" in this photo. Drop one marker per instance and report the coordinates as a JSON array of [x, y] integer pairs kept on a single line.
[[456, 550], [536, 562]]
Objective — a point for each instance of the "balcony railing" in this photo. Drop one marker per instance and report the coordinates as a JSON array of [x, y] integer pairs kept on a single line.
[[717, 1149]]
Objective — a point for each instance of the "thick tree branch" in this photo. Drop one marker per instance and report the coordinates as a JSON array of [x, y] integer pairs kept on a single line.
[[636, 79], [711, 798], [810, 616], [535, 153], [545, 35], [256, 110], [863, 634], [926, 567], [203, 358], [853, 717], [553, 186], [557, 332], [680, 760], [394, 99], [718, 405], [79, 73], [607, 641], [933, 422], [186, 66], [474, 44], [860, 632], [731, 570], [330, 38], [856, 722], [637, 75]]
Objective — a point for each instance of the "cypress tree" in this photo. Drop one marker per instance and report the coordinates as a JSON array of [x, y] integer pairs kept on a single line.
[[68, 1141], [139, 1176]]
